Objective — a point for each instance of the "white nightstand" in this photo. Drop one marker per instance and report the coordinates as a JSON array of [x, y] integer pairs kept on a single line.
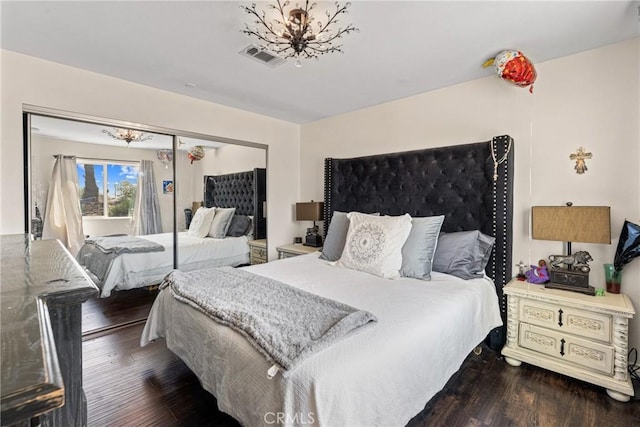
[[258, 251], [295, 249], [582, 336]]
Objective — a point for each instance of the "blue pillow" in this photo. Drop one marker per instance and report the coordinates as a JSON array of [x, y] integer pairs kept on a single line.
[[420, 247]]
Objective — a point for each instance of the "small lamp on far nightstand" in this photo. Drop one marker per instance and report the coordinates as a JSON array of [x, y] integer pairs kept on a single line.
[[311, 211], [587, 224]]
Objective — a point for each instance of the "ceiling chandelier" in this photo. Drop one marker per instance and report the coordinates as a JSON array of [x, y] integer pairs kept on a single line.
[[127, 135], [291, 34]]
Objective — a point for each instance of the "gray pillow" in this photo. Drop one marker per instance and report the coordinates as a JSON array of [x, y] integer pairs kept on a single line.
[[464, 254], [221, 222], [419, 249], [336, 236], [239, 226]]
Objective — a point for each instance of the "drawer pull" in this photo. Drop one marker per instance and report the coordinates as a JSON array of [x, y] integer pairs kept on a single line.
[[560, 317], [562, 341]]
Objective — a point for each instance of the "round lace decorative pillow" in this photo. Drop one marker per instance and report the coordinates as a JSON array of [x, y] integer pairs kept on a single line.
[[374, 244]]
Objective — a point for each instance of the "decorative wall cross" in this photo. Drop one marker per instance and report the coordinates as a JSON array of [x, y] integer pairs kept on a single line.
[[580, 156]]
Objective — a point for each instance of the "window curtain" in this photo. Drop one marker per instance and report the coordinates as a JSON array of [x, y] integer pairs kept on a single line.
[[63, 217], [146, 211]]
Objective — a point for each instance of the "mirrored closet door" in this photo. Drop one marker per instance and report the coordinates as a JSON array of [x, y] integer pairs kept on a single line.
[[133, 181]]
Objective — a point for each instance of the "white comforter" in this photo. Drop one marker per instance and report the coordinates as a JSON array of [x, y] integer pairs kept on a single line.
[[134, 270], [382, 375]]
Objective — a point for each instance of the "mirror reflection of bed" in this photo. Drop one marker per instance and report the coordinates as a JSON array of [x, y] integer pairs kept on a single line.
[[118, 208]]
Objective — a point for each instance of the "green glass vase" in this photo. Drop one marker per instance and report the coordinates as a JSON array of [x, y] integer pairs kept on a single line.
[[613, 279]]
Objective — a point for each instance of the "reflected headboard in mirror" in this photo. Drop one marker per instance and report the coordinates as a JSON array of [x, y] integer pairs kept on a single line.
[[245, 191], [455, 181]]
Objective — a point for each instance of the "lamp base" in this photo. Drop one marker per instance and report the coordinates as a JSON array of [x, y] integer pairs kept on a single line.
[[588, 290], [313, 240], [570, 280], [564, 276]]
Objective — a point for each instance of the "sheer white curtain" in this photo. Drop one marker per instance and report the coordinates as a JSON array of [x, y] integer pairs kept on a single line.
[[63, 217], [146, 211]]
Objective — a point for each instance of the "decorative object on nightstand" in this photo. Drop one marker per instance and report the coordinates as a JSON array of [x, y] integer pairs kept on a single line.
[[587, 224], [521, 272], [295, 249], [258, 251], [570, 333], [628, 249], [538, 274], [311, 211]]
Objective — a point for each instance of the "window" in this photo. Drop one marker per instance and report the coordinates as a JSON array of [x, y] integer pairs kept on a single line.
[[118, 181]]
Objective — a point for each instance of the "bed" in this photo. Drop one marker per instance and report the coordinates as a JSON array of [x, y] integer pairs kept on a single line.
[[385, 373], [135, 268]]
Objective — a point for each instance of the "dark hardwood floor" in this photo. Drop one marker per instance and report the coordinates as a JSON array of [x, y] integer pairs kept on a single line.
[[127, 385], [122, 308]]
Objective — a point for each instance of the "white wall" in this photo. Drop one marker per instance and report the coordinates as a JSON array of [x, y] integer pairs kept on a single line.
[[29, 80], [590, 99], [233, 158]]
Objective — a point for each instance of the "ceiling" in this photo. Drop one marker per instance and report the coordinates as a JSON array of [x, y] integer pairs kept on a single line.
[[403, 48], [94, 134]]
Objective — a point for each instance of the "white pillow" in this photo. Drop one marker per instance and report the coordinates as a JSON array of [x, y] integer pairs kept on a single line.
[[221, 222], [201, 222], [374, 244]]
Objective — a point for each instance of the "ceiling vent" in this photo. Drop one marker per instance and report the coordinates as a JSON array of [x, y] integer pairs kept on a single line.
[[262, 55]]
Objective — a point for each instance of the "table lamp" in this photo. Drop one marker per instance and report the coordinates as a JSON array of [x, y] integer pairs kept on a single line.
[[586, 224], [311, 211]]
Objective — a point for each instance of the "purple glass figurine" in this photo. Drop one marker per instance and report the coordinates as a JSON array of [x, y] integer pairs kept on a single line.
[[538, 273]]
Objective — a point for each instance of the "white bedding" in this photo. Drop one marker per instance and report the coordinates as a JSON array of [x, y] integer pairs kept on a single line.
[[135, 270], [382, 375]]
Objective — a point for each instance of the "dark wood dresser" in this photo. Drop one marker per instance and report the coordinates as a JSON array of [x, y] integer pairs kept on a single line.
[[42, 288]]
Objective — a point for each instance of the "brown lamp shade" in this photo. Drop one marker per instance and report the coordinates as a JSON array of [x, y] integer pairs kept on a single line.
[[587, 224], [195, 206], [310, 211]]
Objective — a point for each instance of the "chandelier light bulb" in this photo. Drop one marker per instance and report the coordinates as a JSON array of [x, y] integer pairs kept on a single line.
[[127, 135]]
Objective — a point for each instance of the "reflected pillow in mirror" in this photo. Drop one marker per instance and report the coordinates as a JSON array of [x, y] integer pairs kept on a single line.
[[240, 225], [419, 249], [374, 244], [201, 222], [464, 254], [221, 222]]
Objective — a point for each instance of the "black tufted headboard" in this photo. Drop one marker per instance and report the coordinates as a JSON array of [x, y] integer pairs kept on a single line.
[[245, 191], [454, 181]]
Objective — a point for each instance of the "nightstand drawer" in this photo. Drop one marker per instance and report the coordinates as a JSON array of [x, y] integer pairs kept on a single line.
[[566, 319], [289, 251], [283, 255], [587, 354], [259, 254]]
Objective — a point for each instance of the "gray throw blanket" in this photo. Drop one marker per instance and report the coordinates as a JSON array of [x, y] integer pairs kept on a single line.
[[98, 253], [124, 244], [284, 323]]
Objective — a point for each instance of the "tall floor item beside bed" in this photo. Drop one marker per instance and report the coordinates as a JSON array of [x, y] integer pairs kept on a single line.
[[471, 184]]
